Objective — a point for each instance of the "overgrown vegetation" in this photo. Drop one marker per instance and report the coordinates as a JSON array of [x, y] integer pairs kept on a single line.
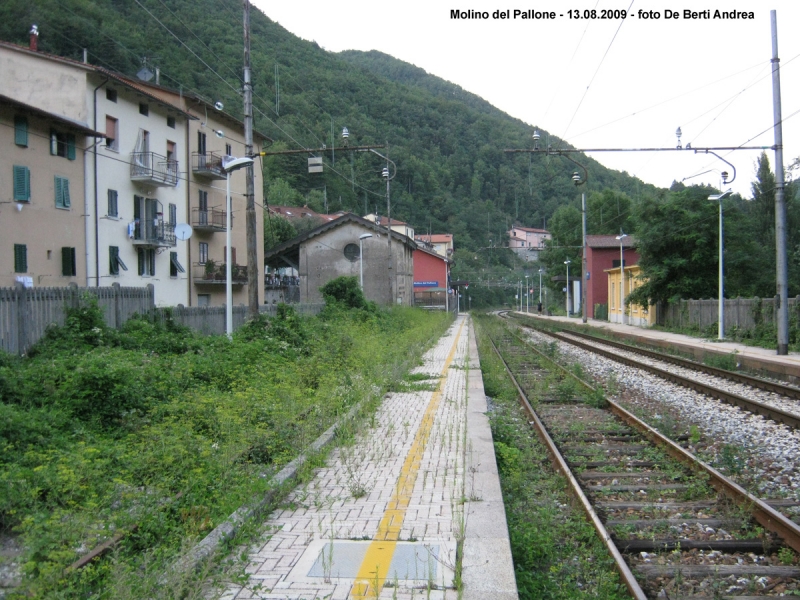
[[155, 426], [556, 552]]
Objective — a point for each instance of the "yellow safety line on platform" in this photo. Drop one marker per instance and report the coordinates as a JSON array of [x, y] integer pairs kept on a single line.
[[375, 566]]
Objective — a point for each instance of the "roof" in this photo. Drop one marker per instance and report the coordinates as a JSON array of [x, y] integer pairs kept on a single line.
[[54, 57], [137, 85], [531, 229], [383, 220], [435, 238], [432, 253], [293, 245], [70, 123], [610, 241]]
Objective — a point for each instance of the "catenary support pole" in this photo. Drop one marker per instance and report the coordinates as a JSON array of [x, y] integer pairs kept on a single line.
[[782, 274], [250, 206]]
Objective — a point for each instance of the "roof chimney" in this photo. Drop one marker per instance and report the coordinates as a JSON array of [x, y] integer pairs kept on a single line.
[[34, 32]]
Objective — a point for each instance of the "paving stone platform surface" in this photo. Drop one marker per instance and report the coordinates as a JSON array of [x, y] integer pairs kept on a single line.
[[384, 517]]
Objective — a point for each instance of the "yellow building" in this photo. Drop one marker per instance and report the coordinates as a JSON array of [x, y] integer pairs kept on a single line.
[[634, 314]]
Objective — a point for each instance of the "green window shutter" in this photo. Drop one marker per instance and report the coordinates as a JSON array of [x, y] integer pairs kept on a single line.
[[62, 192], [112, 203], [22, 184], [20, 258], [71, 146], [140, 255], [21, 131], [68, 262], [113, 255]]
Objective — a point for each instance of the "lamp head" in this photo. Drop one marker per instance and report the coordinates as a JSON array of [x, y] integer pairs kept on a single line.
[[230, 163], [219, 105], [566, 262], [724, 194], [219, 133], [365, 236]]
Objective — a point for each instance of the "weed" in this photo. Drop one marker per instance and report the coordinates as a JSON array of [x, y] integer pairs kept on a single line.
[[786, 556]]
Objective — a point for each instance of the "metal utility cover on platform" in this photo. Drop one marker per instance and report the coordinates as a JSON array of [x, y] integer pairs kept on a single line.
[[413, 563]]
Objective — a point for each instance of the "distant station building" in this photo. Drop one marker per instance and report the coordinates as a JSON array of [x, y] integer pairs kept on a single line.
[[431, 279], [527, 242], [602, 254], [621, 312], [398, 226], [334, 249]]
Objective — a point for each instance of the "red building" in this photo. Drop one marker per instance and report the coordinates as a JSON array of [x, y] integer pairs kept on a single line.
[[602, 252], [431, 278]]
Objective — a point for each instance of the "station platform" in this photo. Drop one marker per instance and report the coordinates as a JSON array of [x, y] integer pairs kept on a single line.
[[413, 509], [750, 358]]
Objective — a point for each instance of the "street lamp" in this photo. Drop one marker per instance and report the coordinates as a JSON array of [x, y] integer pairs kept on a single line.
[[527, 296], [230, 164], [620, 237], [721, 308], [566, 262], [540, 284], [361, 239]]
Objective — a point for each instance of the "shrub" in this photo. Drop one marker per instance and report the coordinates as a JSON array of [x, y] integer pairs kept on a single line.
[[344, 291]]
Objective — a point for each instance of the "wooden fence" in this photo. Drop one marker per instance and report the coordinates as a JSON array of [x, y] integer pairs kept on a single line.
[[740, 313], [25, 314]]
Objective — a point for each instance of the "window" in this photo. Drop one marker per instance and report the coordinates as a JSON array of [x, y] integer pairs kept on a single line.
[[228, 149], [112, 134], [21, 131], [173, 214], [144, 109], [175, 267], [114, 261], [203, 253], [62, 144], [147, 262], [22, 184], [170, 151], [62, 192], [203, 299], [113, 208], [201, 142], [233, 254], [171, 122], [111, 95], [202, 207], [613, 296], [20, 258], [68, 262], [352, 252]]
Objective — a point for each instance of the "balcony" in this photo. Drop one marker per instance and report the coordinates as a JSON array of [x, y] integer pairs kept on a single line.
[[153, 233], [213, 273], [208, 165], [210, 219], [152, 168]]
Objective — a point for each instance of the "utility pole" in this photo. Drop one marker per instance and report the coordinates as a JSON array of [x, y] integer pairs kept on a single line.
[[250, 206], [392, 280], [782, 275]]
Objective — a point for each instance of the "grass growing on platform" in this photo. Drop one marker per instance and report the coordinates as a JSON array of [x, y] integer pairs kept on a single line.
[[158, 427], [556, 552]]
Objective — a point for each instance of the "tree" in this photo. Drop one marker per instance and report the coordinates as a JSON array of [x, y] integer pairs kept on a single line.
[[277, 230], [678, 246]]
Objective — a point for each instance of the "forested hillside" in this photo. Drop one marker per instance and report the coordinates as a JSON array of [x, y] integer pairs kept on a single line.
[[448, 144]]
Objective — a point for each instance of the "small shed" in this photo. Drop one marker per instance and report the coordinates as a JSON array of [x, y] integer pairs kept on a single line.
[[334, 249]]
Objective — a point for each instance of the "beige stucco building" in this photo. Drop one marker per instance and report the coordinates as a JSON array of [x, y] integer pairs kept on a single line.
[[42, 227], [211, 135]]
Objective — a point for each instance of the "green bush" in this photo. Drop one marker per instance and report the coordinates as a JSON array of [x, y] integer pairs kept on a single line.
[[346, 292]]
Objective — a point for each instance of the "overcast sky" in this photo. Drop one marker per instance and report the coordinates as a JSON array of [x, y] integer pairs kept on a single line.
[[597, 83]]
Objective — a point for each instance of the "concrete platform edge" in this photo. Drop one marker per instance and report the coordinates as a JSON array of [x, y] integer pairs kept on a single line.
[[487, 565]]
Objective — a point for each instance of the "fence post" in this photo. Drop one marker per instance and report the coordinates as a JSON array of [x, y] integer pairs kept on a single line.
[[74, 296], [117, 307], [21, 297]]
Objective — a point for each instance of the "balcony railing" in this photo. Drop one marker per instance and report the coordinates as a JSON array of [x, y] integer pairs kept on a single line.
[[153, 168], [208, 165], [156, 233], [213, 273], [210, 219]]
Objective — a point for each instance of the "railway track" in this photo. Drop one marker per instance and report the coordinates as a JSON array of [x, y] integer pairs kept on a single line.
[[769, 399], [676, 527]]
